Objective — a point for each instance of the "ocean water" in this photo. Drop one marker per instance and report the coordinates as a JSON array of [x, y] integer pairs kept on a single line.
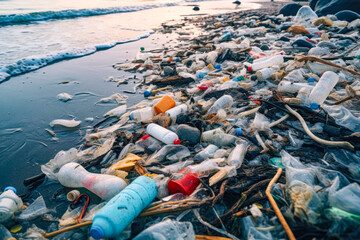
[[35, 33]]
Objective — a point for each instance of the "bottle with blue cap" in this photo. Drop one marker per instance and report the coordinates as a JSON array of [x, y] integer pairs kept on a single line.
[[148, 91], [142, 115], [122, 209], [9, 204]]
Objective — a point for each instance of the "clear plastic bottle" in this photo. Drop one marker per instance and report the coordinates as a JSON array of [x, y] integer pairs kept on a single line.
[[323, 88], [290, 87], [276, 60], [264, 74], [206, 152], [149, 143], [164, 135], [75, 176], [169, 230], [121, 210], [237, 155], [5, 234], [142, 115], [208, 135], [173, 112], [222, 139], [229, 84], [224, 102], [9, 204]]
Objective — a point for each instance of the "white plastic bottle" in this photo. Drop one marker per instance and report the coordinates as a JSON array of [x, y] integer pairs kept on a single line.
[[229, 84], [75, 176], [237, 155], [164, 135], [206, 152], [9, 204], [264, 74], [142, 115], [173, 112], [224, 102], [323, 88], [290, 87], [276, 60]]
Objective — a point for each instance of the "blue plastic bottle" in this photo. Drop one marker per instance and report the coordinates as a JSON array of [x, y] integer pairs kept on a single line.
[[121, 210]]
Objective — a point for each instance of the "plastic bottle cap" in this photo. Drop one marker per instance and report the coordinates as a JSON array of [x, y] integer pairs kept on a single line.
[[235, 79], [240, 78], [218, 66], [142, 48], [131, 116], [239, 131], [145, 137], [358, 56], [97, 232], [314, 105], [10, 188], [311, 80], [147, 93], [177, 141], [250, 69]]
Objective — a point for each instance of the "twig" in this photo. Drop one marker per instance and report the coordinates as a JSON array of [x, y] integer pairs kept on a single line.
[[342, 144], [80, 225], [276, 208], [273, 124], [327, 63]]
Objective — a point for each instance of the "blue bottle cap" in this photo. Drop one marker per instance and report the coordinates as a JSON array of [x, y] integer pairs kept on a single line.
[[97, 232], [239, 131], [147, 93], [235, 79], [131, 116], [10, 188], [218, 66], [314, 105], [311, 80]]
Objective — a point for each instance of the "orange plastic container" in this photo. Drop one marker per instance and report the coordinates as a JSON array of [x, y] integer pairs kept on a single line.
[[164, 104]]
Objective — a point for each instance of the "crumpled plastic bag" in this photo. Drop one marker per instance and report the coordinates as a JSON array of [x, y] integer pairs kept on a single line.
[[36, 209], [53, 166], [171, 153]]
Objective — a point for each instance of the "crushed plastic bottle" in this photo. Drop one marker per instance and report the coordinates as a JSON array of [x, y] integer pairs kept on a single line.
[[9, 204]]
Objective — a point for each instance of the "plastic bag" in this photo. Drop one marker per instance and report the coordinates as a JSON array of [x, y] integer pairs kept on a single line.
[[61, 158], [36, 209]]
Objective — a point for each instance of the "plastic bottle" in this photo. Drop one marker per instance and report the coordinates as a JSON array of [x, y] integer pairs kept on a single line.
[[237, 155], [169, 230], [322, 89], [223, 139], [264, 74], [229, 84], [205, 85], [148, 91], [206, 152], [276, 60], [173, 112], [142, 115], [164, 104], [286, 86], [208, 135], [75, 176], [9, 204], [5, 234], [121, 210], [164, 135], [224, 102]]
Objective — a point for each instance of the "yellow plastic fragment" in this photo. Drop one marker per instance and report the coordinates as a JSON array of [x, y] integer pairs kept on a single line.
[[16, 228], [150, 175], [127, 163]]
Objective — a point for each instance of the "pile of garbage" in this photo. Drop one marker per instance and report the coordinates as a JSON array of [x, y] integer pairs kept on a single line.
[[249, 129]]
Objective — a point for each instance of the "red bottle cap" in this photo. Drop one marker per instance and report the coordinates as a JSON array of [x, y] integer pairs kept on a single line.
[[145, 137], [186, 185], [250, 69], [177, 141]]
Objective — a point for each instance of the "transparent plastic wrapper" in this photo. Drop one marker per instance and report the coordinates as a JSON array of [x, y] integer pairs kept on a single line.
[[70, 216], [346, 159], [346, 198], [305, 13], [36, 209], [206, 153], [286, 86], [150, 143], [168, 229], [61, 158], [343, 117], [251, 233], [162, 185], [295, 76], [206, 167], [261, 123], [237, 155], [170, 153], [170, 169]]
